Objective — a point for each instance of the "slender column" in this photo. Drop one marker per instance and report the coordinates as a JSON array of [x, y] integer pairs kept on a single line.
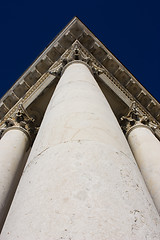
[[146, 149], [81, 180], [13, 146], [16, 138]]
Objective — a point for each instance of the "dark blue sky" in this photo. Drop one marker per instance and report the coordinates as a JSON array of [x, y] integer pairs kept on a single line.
[[129, 29]]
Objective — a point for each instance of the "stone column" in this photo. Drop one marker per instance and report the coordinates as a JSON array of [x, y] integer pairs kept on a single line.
[[146, 149], [81, 180], [14, 144]]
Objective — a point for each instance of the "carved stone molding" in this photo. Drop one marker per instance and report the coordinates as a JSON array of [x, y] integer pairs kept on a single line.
[[21, 120], [135, 117], [38, 73], [76, 53]]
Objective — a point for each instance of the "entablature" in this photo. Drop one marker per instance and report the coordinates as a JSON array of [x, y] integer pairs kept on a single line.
[[114, 79]]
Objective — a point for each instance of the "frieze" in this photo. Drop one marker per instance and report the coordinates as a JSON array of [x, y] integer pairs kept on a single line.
[[96, 55]]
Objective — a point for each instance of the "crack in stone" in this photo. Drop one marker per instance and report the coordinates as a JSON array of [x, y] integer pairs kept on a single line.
[[42, 152]]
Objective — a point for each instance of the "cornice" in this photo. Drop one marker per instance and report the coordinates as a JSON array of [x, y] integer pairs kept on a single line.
[[40, 73]]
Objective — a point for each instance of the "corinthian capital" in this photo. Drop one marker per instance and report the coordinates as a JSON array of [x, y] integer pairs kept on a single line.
[[136, 117], [75, 53], [21, 120]]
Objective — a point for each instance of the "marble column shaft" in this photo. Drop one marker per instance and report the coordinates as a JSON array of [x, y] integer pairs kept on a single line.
[[146, 149], [13, 146], [81, 180]]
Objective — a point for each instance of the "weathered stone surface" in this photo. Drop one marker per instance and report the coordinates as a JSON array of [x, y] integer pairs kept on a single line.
[[122, 76], [81, 180], [67, 40], [146, 149], [10, 100], [44, 65], [76, 30], [53, 54], [143, 98], [98, 52], [133, 87], [86, 40], [82, 134], [21, 89], [13, 146], [110, 65], [32, 77], [3, 110]]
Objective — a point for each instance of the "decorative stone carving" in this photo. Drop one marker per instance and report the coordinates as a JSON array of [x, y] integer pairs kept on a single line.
[[77, 160], [76, 52], [37, 73], [136, 117], [23, 120]]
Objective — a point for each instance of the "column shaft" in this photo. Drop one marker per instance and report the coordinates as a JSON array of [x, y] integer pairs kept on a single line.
[[146, 149], [81, 180], [12, 150]]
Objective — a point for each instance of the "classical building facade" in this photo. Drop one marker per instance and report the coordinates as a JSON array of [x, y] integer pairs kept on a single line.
[[79, 148]]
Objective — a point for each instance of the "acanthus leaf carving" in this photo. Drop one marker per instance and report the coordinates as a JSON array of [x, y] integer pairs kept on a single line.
[[21, 119], [75, 53], [134, 117]]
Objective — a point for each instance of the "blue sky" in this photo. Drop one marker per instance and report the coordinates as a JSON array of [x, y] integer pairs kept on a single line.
[[129, 29]]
